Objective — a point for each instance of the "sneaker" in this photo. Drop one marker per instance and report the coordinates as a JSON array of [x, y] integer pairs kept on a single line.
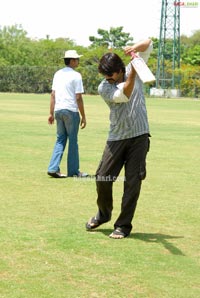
[[82, 175], [56, 175]]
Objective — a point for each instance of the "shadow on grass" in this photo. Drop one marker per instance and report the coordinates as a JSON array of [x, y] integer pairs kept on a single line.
[[153, 238], [160, 238]]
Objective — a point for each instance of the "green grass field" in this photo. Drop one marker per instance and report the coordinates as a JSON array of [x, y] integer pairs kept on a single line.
[[45, 251]]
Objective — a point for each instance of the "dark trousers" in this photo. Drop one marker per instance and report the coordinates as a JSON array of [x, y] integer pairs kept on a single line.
[[130, 153]]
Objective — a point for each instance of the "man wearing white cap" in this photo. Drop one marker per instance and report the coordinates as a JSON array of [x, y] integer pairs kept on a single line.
[[66, 105]]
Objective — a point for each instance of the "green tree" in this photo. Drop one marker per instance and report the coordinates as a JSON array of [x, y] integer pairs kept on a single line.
[[13, 40], [114, 38], [190, 49], [191, 41], [28, 65], [17, 49], [192, 55], [190, 83]]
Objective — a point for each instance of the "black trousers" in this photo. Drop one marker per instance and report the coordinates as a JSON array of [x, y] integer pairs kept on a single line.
[[130, 154]]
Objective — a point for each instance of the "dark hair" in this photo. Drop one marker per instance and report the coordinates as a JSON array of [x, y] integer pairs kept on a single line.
[[110, 63], [67, 61]]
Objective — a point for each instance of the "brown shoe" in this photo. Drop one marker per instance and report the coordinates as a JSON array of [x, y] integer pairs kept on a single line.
[[56, 175]]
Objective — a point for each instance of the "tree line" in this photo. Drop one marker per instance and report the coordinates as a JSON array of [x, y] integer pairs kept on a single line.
[[27, 65]]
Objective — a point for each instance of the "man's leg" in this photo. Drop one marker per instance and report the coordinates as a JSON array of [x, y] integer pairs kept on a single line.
[[54, 165], [135, 172], [107, 172], [72, 124]]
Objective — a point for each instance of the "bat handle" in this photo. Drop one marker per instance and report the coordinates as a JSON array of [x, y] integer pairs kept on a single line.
[[133, 55]]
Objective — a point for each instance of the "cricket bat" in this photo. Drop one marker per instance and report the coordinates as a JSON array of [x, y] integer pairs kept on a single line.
[[142, 69]]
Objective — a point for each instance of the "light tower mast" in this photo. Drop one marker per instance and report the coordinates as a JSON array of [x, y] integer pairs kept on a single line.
[[169, 46]]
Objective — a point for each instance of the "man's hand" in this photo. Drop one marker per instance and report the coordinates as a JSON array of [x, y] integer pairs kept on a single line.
[[129, 49], [51, 119], [83, 123]]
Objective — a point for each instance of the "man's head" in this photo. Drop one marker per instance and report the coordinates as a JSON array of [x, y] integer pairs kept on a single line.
[[112, 67], [69, 55]]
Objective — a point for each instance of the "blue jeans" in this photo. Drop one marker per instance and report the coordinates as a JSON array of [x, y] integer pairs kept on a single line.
[[67, 128]]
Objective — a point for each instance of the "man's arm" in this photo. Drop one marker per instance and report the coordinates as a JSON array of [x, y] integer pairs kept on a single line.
[[52, 105], [138, 47], [130, 81], [125, 89], [80, 104]]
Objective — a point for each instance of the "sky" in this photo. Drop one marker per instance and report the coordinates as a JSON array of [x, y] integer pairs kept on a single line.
[[79, 19]]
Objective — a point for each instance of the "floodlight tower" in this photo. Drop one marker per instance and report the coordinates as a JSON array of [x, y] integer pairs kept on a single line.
[[169, 46]]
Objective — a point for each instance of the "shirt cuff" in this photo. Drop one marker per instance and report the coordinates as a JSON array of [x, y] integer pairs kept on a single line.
[[119, 95]]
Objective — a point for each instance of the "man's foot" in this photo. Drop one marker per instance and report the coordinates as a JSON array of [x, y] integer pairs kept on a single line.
[[92, 223], [81, 175], [56, 175], [118, 234]]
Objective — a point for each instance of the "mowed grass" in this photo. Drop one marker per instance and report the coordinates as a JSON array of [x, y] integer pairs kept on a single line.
[[45, 251]]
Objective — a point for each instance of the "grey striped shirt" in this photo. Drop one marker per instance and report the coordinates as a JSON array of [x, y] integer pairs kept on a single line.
[[127, 119], [128, 116]]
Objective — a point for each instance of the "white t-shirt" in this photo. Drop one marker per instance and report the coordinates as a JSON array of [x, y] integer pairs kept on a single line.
[[67, 83]]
